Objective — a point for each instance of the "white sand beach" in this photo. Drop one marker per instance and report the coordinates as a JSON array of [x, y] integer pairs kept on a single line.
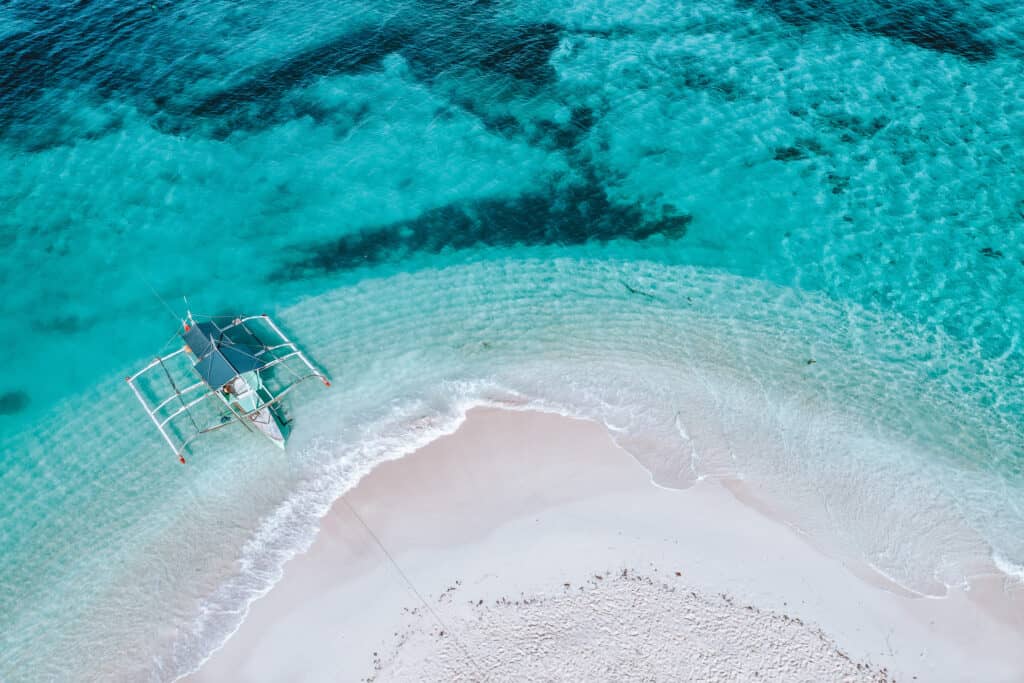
[[528, 546]]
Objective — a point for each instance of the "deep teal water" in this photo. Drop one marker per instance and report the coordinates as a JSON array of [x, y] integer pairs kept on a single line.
[[651, 214]]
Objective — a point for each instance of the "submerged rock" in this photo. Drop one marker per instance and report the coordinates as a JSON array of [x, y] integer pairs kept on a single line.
[[12, 402]]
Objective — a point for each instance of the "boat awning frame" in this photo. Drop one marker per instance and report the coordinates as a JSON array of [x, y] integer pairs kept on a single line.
[[258, 358]]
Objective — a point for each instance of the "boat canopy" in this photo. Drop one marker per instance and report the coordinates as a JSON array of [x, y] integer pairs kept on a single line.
[[218, 351], [220, 356]]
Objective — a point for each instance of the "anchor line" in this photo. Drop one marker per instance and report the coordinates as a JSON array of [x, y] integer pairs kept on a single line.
[[157, 295], [412, 587]]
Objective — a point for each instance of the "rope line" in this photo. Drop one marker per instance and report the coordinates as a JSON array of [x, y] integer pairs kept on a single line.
[[157, 295], [167, 343], [412, 587]]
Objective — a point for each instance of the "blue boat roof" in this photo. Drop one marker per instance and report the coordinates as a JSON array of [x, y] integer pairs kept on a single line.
[[222, 355]]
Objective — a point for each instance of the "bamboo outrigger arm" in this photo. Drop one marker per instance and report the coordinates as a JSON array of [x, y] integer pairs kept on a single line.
[[229, 361]]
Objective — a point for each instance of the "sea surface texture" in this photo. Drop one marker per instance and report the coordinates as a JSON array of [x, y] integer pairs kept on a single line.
[[775, 240]]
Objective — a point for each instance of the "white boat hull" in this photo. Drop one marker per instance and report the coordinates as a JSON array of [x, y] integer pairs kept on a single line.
[[264, 421], [247, 399]]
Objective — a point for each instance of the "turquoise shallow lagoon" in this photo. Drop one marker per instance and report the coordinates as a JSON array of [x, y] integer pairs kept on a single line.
[[780, 240]]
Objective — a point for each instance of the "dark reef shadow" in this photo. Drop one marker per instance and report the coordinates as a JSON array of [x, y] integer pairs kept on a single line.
[[578, 215], [936, 26], [267, 96], [80, 47], [12, 402]]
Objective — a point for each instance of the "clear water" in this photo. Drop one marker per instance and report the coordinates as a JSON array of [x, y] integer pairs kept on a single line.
[[653, 214]]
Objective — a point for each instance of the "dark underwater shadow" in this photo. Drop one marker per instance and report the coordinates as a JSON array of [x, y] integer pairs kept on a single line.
[[936, 26], [264, 99], [12, 402], [575, 216]]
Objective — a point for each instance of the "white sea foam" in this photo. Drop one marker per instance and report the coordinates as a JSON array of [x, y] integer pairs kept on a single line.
[[864, 488], [706, 376], [1009, 568], [290, 528]]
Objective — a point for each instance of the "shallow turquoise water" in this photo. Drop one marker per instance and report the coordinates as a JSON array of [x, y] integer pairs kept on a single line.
[[649, 214]]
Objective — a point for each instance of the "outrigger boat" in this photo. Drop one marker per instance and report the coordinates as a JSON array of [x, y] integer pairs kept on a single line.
[[240, 371]]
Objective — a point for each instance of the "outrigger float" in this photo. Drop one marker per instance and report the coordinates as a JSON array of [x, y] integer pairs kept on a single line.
[[240, 372]]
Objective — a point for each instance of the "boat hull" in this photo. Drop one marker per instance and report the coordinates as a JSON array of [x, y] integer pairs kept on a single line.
[[266, 424], [245, 398]]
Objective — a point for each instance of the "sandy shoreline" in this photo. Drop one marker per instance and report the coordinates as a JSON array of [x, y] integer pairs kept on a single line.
[[542, 551]]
